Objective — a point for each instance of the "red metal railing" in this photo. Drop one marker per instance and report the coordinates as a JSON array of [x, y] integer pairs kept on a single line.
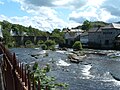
[[15, 74]]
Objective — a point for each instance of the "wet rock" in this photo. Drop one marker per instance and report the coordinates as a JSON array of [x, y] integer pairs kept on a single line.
[[115, 77], [75, 58]]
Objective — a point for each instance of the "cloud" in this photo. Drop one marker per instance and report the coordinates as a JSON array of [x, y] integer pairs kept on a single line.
[[2, 17], [48, 3], [44, 24], [44, 14], [71, 4], [97, 10], [1, 3], [112, 7]]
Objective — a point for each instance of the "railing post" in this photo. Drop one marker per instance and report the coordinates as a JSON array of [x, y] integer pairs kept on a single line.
[[14, 61], [29, 82], [33, 83], [17, 67], [13, 71], [46, 88], [22, 73], [25, 77], [20, 70], [39, 87]]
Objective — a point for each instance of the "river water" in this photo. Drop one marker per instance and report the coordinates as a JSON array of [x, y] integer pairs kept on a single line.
[[94, 73]]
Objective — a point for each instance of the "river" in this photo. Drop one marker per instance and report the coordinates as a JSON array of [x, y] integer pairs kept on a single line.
[[94, 73]]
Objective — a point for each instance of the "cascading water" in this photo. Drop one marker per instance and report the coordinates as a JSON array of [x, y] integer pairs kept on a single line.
[[94, 73]]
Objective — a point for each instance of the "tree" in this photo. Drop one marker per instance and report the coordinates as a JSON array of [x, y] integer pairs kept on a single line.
[[86, 25], [50, 44], [58, 35], [77, 45]]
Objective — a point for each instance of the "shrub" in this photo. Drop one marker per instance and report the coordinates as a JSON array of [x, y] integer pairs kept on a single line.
[[41, 74], [77, 45], [50, 44], [52, 47], [28, 43], [43, 46], [40, 42]]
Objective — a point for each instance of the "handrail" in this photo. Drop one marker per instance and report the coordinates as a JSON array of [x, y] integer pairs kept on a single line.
[[16, 77]]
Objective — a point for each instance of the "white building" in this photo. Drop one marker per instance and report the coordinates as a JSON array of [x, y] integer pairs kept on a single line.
[[1, 35]]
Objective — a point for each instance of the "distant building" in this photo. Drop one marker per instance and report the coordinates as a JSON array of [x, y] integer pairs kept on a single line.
[[1, 35], [72, 35], [104, 37], [17, 33], [84, 39]]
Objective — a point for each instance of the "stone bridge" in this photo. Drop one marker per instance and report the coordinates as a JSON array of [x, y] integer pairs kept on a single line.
[[20, 40]]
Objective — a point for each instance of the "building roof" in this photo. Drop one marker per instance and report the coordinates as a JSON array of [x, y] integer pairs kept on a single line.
[[97, 29], [112, 25], [116, 25], [73, 30]]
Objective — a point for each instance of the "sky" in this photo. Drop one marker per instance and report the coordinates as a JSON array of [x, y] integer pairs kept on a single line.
[[47, 15]]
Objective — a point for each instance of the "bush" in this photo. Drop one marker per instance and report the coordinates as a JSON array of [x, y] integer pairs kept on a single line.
[[52, 47], [28, 43], [77, 45], [41, 75], [50, 42], [43, 46], [40, 42]]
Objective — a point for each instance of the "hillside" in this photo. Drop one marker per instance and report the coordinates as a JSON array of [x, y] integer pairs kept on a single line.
[[94, 24]]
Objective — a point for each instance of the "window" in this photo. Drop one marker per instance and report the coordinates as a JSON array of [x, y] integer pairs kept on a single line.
[[106, 42], [107, 32]]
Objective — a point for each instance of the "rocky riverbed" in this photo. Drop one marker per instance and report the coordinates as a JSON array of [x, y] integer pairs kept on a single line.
[[95, 72]]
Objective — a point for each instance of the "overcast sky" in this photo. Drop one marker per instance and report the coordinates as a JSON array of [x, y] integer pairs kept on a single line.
[[49, 14]]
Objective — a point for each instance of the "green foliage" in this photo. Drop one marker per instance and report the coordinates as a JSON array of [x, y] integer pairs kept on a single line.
[[52, 47], [77, 45], [7, 38], [19, 30], [59, 36], [41, 74], [86, 25], [44, 47], [99, 24], [40, 42], [50, 44], [29, 44]]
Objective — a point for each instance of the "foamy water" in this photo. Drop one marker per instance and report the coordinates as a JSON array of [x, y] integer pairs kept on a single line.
[[62, 63], [59, 51], [86, 71], [42, 52]]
